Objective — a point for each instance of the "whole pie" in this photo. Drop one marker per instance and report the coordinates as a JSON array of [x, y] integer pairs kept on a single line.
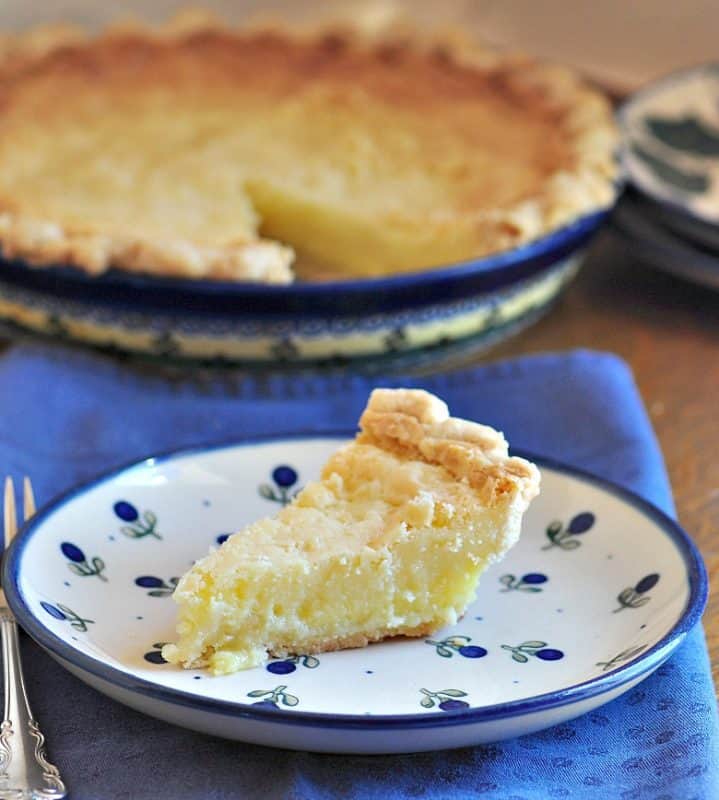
[[390, 541], [207, 152]]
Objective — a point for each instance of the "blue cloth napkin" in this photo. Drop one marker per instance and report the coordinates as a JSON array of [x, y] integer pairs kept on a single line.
[[66, 415]]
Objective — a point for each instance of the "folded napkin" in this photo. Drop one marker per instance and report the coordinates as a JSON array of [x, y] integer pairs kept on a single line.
[[66, 415]]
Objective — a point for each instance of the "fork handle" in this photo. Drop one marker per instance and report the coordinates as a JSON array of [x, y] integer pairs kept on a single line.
[[25, 772]]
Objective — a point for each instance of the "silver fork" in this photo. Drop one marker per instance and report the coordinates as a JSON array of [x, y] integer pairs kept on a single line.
[[25, 772]]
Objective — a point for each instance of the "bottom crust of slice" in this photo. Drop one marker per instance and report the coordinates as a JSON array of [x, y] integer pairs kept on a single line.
[[356, 640]]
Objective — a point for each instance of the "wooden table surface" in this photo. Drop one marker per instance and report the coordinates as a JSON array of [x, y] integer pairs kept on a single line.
[[668, 331]]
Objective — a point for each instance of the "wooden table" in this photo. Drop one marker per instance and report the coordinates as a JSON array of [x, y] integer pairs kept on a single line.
[[668, 331]]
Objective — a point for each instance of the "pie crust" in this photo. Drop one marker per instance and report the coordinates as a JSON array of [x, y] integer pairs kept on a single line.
[[415, 424], [142, 149]]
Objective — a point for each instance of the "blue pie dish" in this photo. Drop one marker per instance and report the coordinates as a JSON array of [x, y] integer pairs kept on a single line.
[[480, 300]]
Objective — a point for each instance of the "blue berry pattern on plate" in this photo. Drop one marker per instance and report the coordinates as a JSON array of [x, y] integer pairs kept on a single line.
[[530, 582], [492, 656], [157, 586], [457, 644], [79, 564], [154, 656], [138, 525], [287, 665], [564, 538], [533, 648], [445, 699], [636, 596], [272, 698], [284, 478], [282, 491], [62, 612]]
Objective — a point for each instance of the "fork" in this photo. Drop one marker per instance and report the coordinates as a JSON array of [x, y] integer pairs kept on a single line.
[[25, 772]]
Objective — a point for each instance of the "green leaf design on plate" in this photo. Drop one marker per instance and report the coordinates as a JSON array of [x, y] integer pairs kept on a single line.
[[452, 692], [690, 182], [517, 656], [427, 702], [626, 595], [289, 699], [553, 529], [533, 644], [258, 693], [569, 544], [633, 651], [688, 134], [620, 658], [457, 641]]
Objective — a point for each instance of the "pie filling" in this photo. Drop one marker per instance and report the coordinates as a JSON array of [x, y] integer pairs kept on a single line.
[[390, 541]]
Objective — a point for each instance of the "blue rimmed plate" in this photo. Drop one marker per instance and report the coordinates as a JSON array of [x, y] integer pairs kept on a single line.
[[600, 590]]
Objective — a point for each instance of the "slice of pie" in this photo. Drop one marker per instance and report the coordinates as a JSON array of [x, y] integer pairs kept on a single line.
[[390, 541], [206, 152]]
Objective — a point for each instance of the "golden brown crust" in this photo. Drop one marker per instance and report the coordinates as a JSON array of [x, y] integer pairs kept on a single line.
[[42, 243], [573, 169], [415, 424], [316, 646], [356, 640]]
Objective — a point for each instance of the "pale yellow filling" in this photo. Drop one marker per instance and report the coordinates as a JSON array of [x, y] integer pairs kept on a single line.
[[351, 183], [380, 546]]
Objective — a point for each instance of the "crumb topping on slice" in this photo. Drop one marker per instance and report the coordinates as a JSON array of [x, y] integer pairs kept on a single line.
[[415, 424]]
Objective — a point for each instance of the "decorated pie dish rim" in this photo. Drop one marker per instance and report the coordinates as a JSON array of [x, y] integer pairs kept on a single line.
[[634, 669]]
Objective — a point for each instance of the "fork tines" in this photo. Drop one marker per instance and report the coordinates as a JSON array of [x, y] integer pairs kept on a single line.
[[10, 509]]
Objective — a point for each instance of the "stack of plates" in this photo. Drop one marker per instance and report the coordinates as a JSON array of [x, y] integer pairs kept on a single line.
[[670, 216]]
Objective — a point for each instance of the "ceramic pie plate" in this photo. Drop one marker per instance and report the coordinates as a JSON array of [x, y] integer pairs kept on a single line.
[[483, 300], [598, 593]]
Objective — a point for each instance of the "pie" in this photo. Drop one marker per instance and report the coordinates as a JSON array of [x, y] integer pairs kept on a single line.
[[390, 541], [200, 151]]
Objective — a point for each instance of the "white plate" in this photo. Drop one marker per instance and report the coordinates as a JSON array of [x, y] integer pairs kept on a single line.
[[599, 592]]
